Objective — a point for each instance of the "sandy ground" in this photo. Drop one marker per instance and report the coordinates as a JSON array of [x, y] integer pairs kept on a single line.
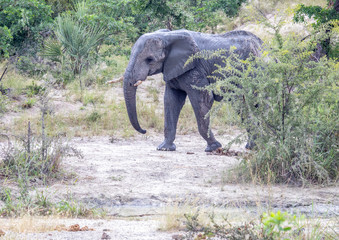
[[131, 173], [130, 179]]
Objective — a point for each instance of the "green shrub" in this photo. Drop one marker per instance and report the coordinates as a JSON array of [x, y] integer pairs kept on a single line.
[[290, 104], [5, 39], [94, 116], [29, 103], [25, 19], [34, 89], [28, 65]]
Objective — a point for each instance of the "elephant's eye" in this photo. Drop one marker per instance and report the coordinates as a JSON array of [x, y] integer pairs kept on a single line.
[[149, 59]]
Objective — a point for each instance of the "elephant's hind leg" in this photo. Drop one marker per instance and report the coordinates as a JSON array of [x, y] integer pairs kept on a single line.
[[202, 102], [174, 100]]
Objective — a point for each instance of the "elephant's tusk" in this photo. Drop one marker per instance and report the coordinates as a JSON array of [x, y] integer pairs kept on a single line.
[[115, 80], [137, 83]]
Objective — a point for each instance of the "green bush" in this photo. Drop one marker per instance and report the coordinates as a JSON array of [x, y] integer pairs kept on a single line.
[[290, 104], [24, 19], [5, 39], [28, 65]]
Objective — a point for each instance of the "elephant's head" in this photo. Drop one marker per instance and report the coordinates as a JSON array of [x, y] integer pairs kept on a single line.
[[161, 51]]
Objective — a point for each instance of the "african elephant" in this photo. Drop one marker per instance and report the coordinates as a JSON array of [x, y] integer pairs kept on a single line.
[[166, 52]]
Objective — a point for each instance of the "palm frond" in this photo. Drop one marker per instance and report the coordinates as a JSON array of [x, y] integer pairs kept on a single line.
[[52, 49]]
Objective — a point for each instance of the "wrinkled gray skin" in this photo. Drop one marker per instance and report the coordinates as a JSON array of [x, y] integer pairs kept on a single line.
[[166, 52]]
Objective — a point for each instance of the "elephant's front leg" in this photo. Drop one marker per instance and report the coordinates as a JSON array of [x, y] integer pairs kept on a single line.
[[202, 102], [174, 100]]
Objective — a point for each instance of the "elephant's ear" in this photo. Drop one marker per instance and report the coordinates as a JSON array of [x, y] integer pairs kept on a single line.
[[179, 47]]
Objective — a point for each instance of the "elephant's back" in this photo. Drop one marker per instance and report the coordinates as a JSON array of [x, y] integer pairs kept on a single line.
[[241, 34], [244, 41]]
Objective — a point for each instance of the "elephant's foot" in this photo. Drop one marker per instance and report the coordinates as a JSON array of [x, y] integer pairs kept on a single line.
[[213, 146], [166, 147]]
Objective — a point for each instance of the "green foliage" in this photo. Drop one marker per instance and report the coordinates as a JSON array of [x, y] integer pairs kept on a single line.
[[29, 103], [194, 15], [278, 225], [78, 39], [326, 19], [5, 40], [94, 116], [34, 89], [53, 50], [27, 65], [319, 14], [22, 21], [229, 7], [290, 104], [116, 16], [60, 6]]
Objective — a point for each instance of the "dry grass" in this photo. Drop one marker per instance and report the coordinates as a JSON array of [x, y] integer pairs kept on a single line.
[[102, 119], [153, 93], [173, 219], [187, 122], [15, 81], [29, 224]]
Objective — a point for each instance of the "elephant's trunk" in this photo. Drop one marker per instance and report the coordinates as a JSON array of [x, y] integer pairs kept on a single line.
[[130, 100]]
